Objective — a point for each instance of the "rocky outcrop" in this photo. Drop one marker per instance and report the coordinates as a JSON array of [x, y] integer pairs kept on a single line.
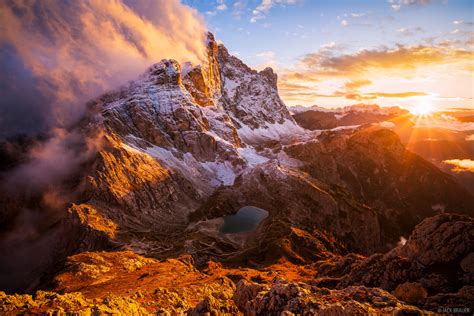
[[204, 82], [53, 303], [446, 238], [426, 271], [250, 97], [412, 293], [285, 298]]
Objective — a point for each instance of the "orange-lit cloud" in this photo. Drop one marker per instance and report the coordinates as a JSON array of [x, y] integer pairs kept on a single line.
[[356, 84], [327, 73], [461, 165], [78, 49], [400, 58]]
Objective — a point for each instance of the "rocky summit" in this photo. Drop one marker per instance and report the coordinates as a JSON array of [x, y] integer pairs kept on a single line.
[[356, 223]]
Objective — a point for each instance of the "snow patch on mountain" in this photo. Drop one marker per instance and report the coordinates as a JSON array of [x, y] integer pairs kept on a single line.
[[215, 173], [222, 171], [270, 132], [251, 156]]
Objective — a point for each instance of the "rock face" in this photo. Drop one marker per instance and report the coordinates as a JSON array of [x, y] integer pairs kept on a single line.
[[441, 239], [429, 270], [284, 298], [250, 96], [184, 146]]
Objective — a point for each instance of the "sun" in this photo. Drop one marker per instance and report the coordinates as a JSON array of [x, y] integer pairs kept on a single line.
[[423, 108]]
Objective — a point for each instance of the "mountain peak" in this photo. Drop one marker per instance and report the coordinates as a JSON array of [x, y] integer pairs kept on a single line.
[[270, 75], [167, 71]]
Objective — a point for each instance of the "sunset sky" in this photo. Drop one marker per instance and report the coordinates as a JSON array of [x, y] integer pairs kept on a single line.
[[409, 53], [57, 55]]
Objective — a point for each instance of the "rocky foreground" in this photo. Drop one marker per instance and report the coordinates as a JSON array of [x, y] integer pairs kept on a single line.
[[409, 279], [356, 223]]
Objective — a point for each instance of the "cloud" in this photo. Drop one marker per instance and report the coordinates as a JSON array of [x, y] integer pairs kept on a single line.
[[341, 74], [237, 8], [401, 58], [265, 5], [268, 58], [398, 94], [356, 84], [462, 22], [357, 15], [461, 165], [221, 5], [329, 45], [54, 57], [402, 241], [266, 54], [344, 23], [396, 5], [444, 121], [375, 95], [470, 138], [410, 31], [68, 52]]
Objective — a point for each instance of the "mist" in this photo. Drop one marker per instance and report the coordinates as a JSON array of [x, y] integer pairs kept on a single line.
[[60, 54], [55, 57]]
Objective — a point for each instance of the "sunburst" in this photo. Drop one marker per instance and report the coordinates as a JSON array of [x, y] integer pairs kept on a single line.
[[423, 108]]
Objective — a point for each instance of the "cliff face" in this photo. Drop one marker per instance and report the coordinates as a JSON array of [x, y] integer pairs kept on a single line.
[[182, 147]]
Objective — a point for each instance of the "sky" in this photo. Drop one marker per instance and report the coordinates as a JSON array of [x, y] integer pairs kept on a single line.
[[410, 53]]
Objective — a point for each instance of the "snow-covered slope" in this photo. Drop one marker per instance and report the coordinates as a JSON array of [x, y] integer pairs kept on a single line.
[[250, 97]]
